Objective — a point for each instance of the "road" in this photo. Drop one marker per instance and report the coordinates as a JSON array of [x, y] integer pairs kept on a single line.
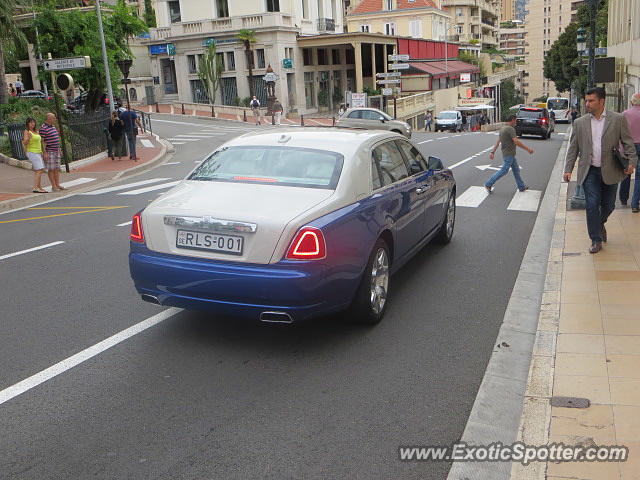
[[201, 397]]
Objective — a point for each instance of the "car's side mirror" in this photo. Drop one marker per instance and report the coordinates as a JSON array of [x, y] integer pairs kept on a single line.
[[434, 163], [383, 120]]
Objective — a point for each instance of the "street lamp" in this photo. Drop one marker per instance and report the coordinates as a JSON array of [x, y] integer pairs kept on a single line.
[[125, 65], [105, 59]]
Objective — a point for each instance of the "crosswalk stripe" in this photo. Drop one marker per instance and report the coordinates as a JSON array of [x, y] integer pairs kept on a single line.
[[125, 186], [193, 135], [472, 197], [151, 189], [526, 201], [73, 183], [185, 139], [178, 143]]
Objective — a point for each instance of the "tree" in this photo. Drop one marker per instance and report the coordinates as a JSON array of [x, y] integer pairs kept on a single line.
[[508, 97], [248, 37], [73, 33], [9, 32], [149, 14], [209, 71]]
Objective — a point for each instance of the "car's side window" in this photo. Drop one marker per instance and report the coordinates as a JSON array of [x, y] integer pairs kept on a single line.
[[390, 162], [356, 114], [370, 115], [413, 156], [375, 174]]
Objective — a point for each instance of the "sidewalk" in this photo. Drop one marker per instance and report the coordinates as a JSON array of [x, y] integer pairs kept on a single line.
[[16, 183], [587, 346]]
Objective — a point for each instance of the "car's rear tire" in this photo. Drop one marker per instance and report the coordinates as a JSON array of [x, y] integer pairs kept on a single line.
[[445, 234], [370, 302]]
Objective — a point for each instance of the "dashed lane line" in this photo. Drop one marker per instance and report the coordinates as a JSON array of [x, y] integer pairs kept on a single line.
[[28, 250]]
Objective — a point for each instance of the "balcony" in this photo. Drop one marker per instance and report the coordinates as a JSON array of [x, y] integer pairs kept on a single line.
[[326, 25], [218, 25]]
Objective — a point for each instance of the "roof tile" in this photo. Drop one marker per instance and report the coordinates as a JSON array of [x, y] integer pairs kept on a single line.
[[371, 6]]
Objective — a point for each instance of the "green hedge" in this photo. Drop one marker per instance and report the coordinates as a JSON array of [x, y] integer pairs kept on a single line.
[[18, 109]]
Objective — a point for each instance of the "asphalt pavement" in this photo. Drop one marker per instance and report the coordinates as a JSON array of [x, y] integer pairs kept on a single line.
[[201, 397]]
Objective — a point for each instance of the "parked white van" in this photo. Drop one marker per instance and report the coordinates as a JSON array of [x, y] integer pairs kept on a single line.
[[449, 120]]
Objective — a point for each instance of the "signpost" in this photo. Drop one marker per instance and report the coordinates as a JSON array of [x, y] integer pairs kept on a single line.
[[358, 99], [398, 58], [71, 63], [384, 82], [387, 75], [394, 77], [399, 66], [465, 77], [387, 91]]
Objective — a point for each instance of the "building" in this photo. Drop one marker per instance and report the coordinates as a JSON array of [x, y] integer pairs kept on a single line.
[[623, 42], [520, 7], [546, 20], [186, 27], [508, 12], [474, 21], [513, 41], [406, 18]]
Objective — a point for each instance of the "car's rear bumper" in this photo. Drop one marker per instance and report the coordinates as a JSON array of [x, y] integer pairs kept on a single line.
[[531, 130], [298, 289]]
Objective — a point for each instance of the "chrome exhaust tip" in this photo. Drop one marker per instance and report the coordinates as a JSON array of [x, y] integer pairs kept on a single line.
[[275, 317], [150, 298]]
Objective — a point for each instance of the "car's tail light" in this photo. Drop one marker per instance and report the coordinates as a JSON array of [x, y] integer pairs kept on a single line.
[[542, 121], [137, 235], [308, 244]]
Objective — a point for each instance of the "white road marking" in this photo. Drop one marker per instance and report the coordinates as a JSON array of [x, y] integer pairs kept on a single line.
[[461, 162], [425, 141], [21, 252], [193, 135], [198, 162], [183, 140], [146, 143], [180, 123], [472, 197], [486, 167], [178, 143], [81, 357], [125, 186], [73, 183], [526, 201], [171, 163], [151, 189], [125, 224]]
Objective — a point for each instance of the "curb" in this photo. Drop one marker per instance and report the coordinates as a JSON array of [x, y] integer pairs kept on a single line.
[[9, 206], [497, 412]]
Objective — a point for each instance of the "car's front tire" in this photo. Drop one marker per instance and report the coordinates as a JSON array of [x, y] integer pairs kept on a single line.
[[370, 302], [445, 234]]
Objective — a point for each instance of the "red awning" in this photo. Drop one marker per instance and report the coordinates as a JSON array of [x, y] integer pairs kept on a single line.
[[441, 69]]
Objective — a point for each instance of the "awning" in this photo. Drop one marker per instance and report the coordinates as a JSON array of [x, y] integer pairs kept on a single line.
[[442, 69], [475, 107]]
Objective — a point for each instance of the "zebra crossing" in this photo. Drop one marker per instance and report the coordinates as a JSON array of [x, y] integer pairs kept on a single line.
[[215, 132], [474, 196], [137, 188]]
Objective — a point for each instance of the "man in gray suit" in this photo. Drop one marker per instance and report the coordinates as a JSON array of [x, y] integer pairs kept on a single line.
[[593, 139]]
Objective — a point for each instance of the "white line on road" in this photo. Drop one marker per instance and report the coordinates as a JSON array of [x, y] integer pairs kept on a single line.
[[146, 143], [73, 183], [125, 224], [81, 357], [193, 135], [125, 186], [472, 197], [14, 254], [150, 189], [526, 201], [177, 143], [184, 140], [171, 163], [425, 141], [461, 162]]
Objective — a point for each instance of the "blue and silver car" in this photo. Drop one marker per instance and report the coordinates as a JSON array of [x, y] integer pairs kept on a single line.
[[287, 225]]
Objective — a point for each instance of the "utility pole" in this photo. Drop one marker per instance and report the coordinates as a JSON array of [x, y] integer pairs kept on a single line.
[[593, 4], [105, 60]]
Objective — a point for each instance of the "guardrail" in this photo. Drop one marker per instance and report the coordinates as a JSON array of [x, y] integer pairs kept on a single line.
[[411, 105]]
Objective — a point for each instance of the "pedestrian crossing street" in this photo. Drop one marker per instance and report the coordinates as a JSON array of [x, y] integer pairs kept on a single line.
[[217, 132], [526, 201]]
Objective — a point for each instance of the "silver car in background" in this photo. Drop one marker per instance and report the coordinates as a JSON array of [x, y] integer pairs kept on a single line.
[[373, 119]]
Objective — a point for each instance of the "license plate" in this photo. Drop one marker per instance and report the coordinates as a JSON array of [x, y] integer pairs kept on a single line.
[[213, 242]]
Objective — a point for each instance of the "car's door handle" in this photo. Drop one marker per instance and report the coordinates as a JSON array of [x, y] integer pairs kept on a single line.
[[422, 189]]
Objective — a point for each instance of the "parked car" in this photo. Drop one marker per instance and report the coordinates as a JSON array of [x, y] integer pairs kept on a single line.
[[288, 225], [373, 119], [448, 120], [534, 121], [35, 94]]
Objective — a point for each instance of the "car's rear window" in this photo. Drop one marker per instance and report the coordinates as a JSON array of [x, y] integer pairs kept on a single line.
[[284, 166], [530, 113]]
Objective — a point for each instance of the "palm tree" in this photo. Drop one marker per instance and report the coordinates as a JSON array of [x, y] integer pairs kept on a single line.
[[248, 37], [8, 31]]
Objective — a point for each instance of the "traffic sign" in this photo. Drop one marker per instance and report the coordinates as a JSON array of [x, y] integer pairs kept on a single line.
[[398, 58], [71, 63], [399, 66], [387, 91], [384, 82], [387, 75]]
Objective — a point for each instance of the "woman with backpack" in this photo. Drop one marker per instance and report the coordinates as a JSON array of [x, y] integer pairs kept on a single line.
[[116, 132]]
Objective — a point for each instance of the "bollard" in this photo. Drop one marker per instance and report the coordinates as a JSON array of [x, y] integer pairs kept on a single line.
[[244, 115], [333, 121], [302, 120], [273, 120], [157, 108], [183, 109]]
